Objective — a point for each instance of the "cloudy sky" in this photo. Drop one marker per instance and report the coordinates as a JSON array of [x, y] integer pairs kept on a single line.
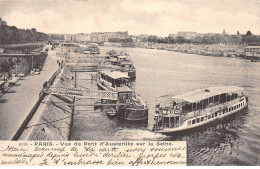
[[158, 17]]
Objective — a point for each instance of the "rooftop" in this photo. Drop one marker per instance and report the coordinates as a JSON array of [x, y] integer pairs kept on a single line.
[[114, 74], [253, 47], [201, 94]]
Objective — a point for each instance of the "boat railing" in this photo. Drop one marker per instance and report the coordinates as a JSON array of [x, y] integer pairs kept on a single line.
[[101, 94], [140, 100], [212, 108]]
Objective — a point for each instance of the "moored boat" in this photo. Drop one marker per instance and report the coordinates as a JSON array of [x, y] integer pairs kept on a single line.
[[131, 106], [199, 107], [126, 65]]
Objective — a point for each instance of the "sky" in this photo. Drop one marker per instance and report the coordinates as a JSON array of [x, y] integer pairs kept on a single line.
[[153, 17]]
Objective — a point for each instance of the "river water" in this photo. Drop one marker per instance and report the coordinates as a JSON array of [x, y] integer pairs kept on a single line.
[[162, 74]]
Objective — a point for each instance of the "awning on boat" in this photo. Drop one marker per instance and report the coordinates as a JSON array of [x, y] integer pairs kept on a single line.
[[121, 57], [127, 62], [114, 74], [201, 94]]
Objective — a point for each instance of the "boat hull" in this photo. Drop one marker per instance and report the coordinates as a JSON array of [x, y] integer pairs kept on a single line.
[[129, 113], [133, 114]]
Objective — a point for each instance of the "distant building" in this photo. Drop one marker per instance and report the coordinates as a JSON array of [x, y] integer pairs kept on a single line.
[[200, 34], [140, 37], [224, 33], [82, 37], [96, 37], [104, 36], [70, 38], [172, 35], [187, 35]]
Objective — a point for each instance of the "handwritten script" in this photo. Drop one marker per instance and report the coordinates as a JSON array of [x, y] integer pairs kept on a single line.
[[93, 153]]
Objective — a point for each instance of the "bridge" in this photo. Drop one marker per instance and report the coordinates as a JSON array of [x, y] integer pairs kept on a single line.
[[87, 93]]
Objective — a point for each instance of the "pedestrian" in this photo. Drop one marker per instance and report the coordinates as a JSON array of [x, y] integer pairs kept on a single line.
[[45, 84], [59, 64], [57, 61], [2, 90]]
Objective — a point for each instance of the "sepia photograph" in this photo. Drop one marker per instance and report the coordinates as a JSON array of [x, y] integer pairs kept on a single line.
[[158, 82]]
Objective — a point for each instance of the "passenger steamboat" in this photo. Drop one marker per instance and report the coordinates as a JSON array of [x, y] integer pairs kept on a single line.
[[132, 107], [199, 107]]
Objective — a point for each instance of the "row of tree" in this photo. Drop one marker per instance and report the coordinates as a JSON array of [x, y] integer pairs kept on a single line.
[[6, 66], [13, 35], [248, 38]]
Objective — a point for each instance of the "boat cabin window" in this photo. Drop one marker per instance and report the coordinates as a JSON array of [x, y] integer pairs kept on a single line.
[[206, 117], [201, 119], [223, 98], [193, 121], [205, 103], [187, 107], [198, 120], [209, 117], [120, 82], [194, 107], [189, 123], [216, 99], [211, 100], [212, 115], [231, 96], [216, 114], [199, 105]]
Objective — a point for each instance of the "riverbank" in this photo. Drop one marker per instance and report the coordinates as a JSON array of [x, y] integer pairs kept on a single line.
[[206, 50], [52, 120]]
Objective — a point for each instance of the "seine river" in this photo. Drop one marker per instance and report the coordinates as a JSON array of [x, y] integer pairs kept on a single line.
[[162, 74]]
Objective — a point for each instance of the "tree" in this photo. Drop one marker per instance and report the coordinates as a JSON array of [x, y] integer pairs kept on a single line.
[[11, 35], [249, 38], [152, 38], [144, 39], [180, 39], [6, 66], [248, 33], [128, 40]]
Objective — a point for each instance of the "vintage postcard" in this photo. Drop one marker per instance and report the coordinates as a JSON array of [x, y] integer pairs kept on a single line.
[[129, 82]]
